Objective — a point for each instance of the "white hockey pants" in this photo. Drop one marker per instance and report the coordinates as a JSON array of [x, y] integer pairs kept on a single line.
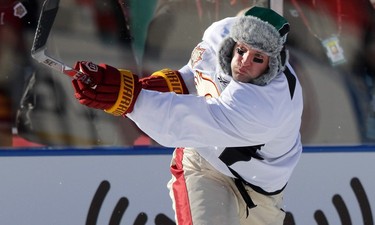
[[203, 196]]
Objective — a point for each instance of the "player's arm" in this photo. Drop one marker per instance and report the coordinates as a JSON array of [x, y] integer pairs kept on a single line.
[[173, 120], [115, 91], [188, 120]]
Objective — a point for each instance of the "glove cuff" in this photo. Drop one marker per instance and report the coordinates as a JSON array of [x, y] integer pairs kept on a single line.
[[173, 79], [126, 94]]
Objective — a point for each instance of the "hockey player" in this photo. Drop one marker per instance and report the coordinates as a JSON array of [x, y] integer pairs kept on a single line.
[[236, 107]]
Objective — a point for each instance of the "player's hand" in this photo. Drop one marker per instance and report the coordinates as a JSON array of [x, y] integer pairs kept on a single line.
[[115, 91], [104, 94]]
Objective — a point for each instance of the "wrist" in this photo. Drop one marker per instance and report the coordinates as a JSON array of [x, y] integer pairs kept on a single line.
[[173, 79], [126, 96]]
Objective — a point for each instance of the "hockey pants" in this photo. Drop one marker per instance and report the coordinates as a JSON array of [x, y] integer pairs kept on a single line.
[[203, 196]]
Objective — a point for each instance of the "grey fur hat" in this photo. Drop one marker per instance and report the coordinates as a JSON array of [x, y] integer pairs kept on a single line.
[[264, 30]]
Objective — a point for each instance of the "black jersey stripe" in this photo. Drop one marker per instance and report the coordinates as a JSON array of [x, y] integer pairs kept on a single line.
[[291, 81]]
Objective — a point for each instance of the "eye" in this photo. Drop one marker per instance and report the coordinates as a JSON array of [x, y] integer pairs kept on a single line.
[[240, 51], [258, 58]]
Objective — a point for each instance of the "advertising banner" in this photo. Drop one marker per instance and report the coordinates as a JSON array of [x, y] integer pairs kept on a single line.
[[335, 187], [127, 187]]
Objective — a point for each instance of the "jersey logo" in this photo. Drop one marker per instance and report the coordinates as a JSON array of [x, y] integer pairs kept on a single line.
[[19, 10], [196, 55], [224, 82], [205, 86]]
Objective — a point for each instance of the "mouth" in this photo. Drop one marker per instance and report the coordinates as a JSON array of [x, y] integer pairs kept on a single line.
[[241, 72]]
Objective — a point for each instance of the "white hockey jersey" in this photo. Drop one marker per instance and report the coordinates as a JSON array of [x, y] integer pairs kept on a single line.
[[253, 130]]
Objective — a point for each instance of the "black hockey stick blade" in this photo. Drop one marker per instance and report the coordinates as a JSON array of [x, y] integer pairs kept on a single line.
[[38, 50], [45, 22]]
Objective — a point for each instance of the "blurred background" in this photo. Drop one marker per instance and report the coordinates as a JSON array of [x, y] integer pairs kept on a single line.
[[331, 45]]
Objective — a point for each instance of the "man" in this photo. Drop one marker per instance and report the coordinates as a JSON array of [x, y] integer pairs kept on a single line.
[[240, 120]]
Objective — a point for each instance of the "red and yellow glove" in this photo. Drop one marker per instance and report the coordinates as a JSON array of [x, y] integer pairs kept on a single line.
[[165, 80], [115, 91]]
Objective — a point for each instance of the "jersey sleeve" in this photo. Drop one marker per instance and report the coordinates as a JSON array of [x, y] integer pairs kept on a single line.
[[194, 121]]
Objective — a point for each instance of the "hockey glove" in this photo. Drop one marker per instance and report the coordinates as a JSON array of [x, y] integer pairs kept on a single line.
[[115, 91], [165, 80]]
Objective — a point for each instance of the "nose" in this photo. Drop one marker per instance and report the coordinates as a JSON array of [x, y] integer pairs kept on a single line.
[[247, 59]]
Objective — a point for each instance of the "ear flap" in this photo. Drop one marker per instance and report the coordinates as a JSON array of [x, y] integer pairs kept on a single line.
[[225, 55]]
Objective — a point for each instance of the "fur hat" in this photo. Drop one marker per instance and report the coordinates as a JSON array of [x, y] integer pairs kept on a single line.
[[264, 30]]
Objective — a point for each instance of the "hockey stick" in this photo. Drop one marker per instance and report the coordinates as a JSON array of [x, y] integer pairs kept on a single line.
[[38, 51]]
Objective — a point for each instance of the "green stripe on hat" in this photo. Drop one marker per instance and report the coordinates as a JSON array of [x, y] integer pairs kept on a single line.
[[270, 16]]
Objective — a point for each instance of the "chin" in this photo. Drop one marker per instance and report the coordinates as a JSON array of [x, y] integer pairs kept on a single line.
[[241, 78]]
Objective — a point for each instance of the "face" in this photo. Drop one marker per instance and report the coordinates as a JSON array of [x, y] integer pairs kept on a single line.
[[247, 63]]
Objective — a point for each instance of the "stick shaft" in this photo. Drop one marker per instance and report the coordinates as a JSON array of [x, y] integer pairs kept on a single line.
[[38, 51], [61, 67]]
